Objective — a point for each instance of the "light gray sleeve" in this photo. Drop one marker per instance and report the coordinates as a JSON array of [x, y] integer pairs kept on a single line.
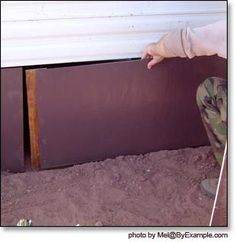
[[188, 42]]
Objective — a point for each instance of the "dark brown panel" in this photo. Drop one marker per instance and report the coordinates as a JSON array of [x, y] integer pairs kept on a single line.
[[93, 112], [12, 151]]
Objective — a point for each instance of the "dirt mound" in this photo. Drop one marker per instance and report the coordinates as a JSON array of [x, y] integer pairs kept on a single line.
[[156, 189]]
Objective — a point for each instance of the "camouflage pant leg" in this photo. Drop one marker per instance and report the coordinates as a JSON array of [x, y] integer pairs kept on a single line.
[[212, 103]]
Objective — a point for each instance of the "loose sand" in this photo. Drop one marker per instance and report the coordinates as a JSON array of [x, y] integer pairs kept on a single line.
[[156, 189]]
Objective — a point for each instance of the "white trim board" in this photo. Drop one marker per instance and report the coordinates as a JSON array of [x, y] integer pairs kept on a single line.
[[48, 32]]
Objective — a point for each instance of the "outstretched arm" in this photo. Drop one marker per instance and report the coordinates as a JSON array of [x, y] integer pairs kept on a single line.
[[187, 42]]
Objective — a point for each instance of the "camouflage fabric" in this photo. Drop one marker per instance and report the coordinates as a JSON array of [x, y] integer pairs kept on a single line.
[[212, 103]]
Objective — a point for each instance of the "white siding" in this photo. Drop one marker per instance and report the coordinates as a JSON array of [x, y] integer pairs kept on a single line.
[[43, 32]]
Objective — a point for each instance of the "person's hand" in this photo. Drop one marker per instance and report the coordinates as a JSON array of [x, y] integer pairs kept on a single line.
[[151, 52]]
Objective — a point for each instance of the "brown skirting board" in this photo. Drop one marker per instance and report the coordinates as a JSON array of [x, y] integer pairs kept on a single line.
[[93, 112], [12, 140]]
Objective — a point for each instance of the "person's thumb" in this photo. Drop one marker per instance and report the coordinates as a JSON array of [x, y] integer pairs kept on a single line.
[[154, 61]]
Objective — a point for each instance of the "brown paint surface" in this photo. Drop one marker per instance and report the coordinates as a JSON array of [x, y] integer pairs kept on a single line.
[[93, 112], [12, 148]]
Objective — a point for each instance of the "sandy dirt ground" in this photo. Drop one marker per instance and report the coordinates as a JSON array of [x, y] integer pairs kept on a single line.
[[156, 189]]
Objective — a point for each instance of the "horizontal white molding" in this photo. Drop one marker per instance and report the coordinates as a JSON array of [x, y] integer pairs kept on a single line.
[[39, 10], [33, 33], [90, 27]]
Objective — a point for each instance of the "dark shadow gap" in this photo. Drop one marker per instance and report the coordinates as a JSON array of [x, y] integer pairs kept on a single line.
[[27, 153], [70, 64]]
